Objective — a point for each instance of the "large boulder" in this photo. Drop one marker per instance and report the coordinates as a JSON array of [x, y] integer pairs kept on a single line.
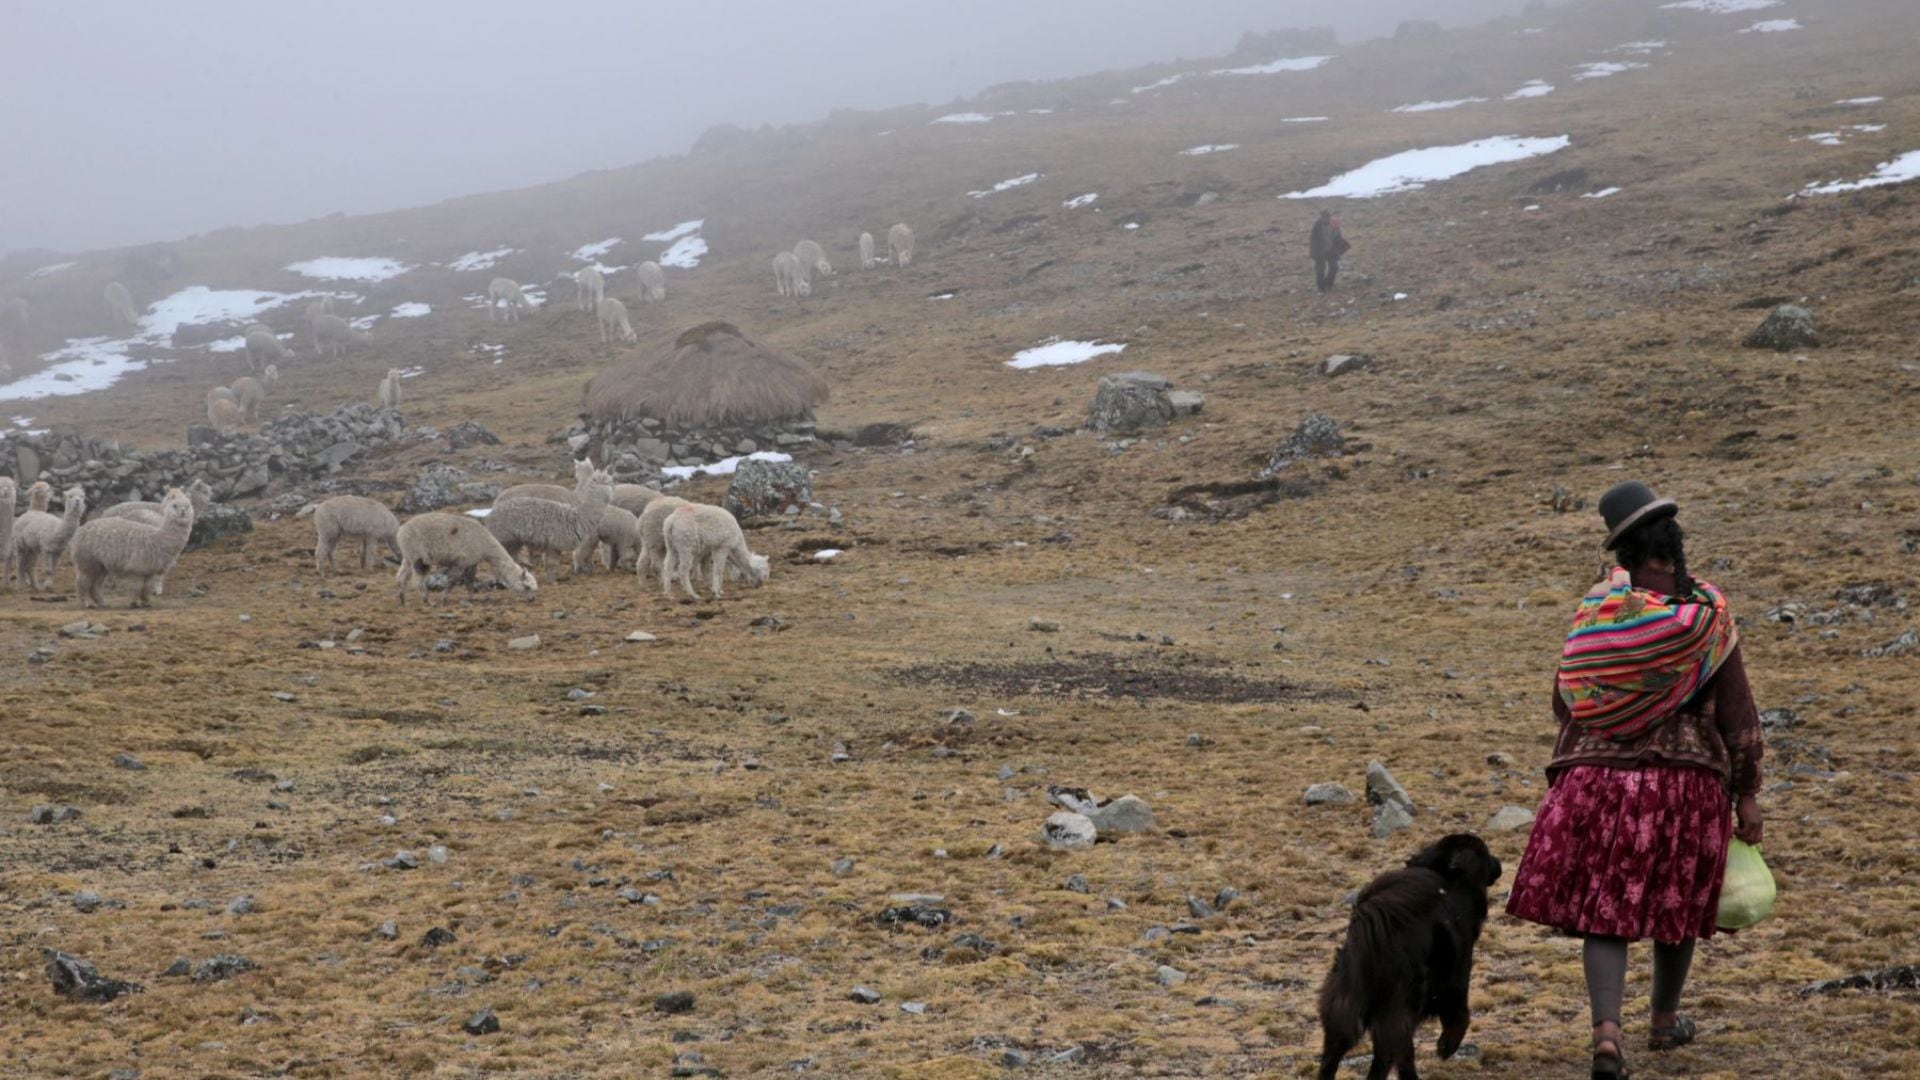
[[768, 488], [1130, 402], [1788, 326], [218, 522], [1318, 436], [440, 485], [467, 433]]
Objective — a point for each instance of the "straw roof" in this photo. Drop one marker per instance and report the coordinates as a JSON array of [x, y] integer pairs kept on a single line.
[[710, 376]]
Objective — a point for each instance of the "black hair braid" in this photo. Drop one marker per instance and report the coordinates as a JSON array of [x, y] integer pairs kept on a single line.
[[1662, 540]]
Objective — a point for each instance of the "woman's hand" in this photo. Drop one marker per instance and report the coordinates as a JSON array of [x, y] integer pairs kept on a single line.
[[1752, 822]]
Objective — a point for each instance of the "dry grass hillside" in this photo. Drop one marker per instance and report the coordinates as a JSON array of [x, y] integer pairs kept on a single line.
[[679, 829]]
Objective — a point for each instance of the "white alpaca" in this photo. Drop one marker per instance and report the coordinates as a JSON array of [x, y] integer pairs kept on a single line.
[[866, 251], [813, 257], [248, 392], [505, 293], [789, 277], [590, 285], [9, 498], [347, 517], [583, 473], [128, 547], [699, 536], [38, 534], [456, 544], [572, 529], [653, 545], [653, 282], [264, 344], [333, 333], [223, 411], [120, 306], [390, 389], [900, 245], [613, 317]]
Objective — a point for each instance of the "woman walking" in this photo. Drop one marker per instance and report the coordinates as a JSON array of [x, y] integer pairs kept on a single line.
[[1658, 736]]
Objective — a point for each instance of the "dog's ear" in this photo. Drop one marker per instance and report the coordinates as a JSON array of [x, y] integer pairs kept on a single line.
[[1471, 861]]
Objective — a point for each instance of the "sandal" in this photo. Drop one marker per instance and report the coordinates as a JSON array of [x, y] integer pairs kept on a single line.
[[1680, 1033], [1609, 1065]]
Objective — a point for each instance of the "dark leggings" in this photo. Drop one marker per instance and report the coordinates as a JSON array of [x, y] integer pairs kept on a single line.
[[1605, 959]]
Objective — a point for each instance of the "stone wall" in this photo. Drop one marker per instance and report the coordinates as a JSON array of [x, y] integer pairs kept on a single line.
[[641, 446], [297, 448]]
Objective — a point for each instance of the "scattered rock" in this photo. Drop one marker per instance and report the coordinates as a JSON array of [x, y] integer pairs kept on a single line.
[[438, 936], [1169, 976], [1077, 883], [402, 860], [387, 931], [1328, 793], [674, 1002], [240, 905], [1186, 402], [1130, 402], [841, 867], [522, 644], [218, 522], [1390, 818], [1788, 326], [1343, 364], [1199, 908], [1044, 626], [1902, 977], [767, 489], [917, 1008], [75, 978], [1510, 819], [1126, 814], [1382, 788], [1318, 436], [179, 969], [864, 996], [467, 434], [483, 1022], [224, 966], [86, 901], [1068, 831], [914, 914], [640, 636]]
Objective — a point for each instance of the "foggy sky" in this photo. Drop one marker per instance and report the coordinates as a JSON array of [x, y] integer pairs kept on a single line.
[[126, 121]]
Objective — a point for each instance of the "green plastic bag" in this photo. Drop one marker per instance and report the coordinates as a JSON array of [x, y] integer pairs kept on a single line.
[[1746, 892]]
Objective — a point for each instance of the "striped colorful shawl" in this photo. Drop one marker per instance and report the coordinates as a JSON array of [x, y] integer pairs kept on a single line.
[[1634, 656]]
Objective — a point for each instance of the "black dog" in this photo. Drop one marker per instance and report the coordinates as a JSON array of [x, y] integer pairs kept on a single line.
[[1408, 956]]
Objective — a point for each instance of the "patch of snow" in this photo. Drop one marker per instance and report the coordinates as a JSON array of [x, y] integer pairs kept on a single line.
[[1410, 170], [1641, 47], [1898, 171], [80, 366], [1533, 89], [668, 236], [412, 372], [1875, 100], [590, 252], [967, 118], [1275, 67], [481, 260], [1399, 296], [1824, 138], [1079, 201], [1168, 81], [1303, 119], [1131, 225], [1007, 185], [827, 553], [364, 322], [1210, 148], [723, 467], [1531, 206], [1601, 69], [1058, 353], [1040, 112], [23, 421], [1773, 26], [49, 271], [197, 304], [1602, 193], [685, 254], [1870, 128], [480, 513], [412, 309], [227, 345], [1436, 106], [344, 268], [943, 296], [1721, 7]]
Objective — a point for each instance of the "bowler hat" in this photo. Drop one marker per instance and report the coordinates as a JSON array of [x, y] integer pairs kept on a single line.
[[1631, 503]]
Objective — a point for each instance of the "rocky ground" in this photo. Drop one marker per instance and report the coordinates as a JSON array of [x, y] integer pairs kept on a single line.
[[800, 829]]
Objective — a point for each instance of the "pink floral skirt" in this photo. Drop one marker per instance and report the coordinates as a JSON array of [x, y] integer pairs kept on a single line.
[[1632, 853]]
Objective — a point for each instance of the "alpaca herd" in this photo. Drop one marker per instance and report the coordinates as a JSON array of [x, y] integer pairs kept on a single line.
[[596, 523], [794, 271]]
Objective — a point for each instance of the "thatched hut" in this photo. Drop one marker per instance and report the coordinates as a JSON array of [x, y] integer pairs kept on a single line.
[[709, 377]]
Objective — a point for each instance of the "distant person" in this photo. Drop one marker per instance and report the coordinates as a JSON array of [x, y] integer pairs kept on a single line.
[[1326, 246], [1656, 767]]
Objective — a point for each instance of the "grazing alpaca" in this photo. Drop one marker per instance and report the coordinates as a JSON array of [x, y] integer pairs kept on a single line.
[[264, 345], [120, 306], [866, 251], [456, 544], [698, 536], [613, 319], [349, 517], [789, 276], [506, 293], [333, 333], [653, 282], [900, 245], [813, 257], [590, 285]]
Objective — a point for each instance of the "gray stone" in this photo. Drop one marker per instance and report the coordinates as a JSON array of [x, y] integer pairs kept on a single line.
[[1068, 831], [1328, 793], [1199, 908], [767, 488], [179, 969], [387, 931], [1510, 819], [674, 1002], [1044, 626], [75, 978], [217, 523], [1077, 883], [1383, 788], [129, 762], [240, 905], [1131, 402], [467, 433], [86, 901], [864, 996], [403, 860], [1186, 402], [917, 1008], [1126, 814], [224, 966], [1317, 436], [522, 644], [1169, 976], [1390, 818], [483, 1022], [1342, 364], [1788, 326]]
